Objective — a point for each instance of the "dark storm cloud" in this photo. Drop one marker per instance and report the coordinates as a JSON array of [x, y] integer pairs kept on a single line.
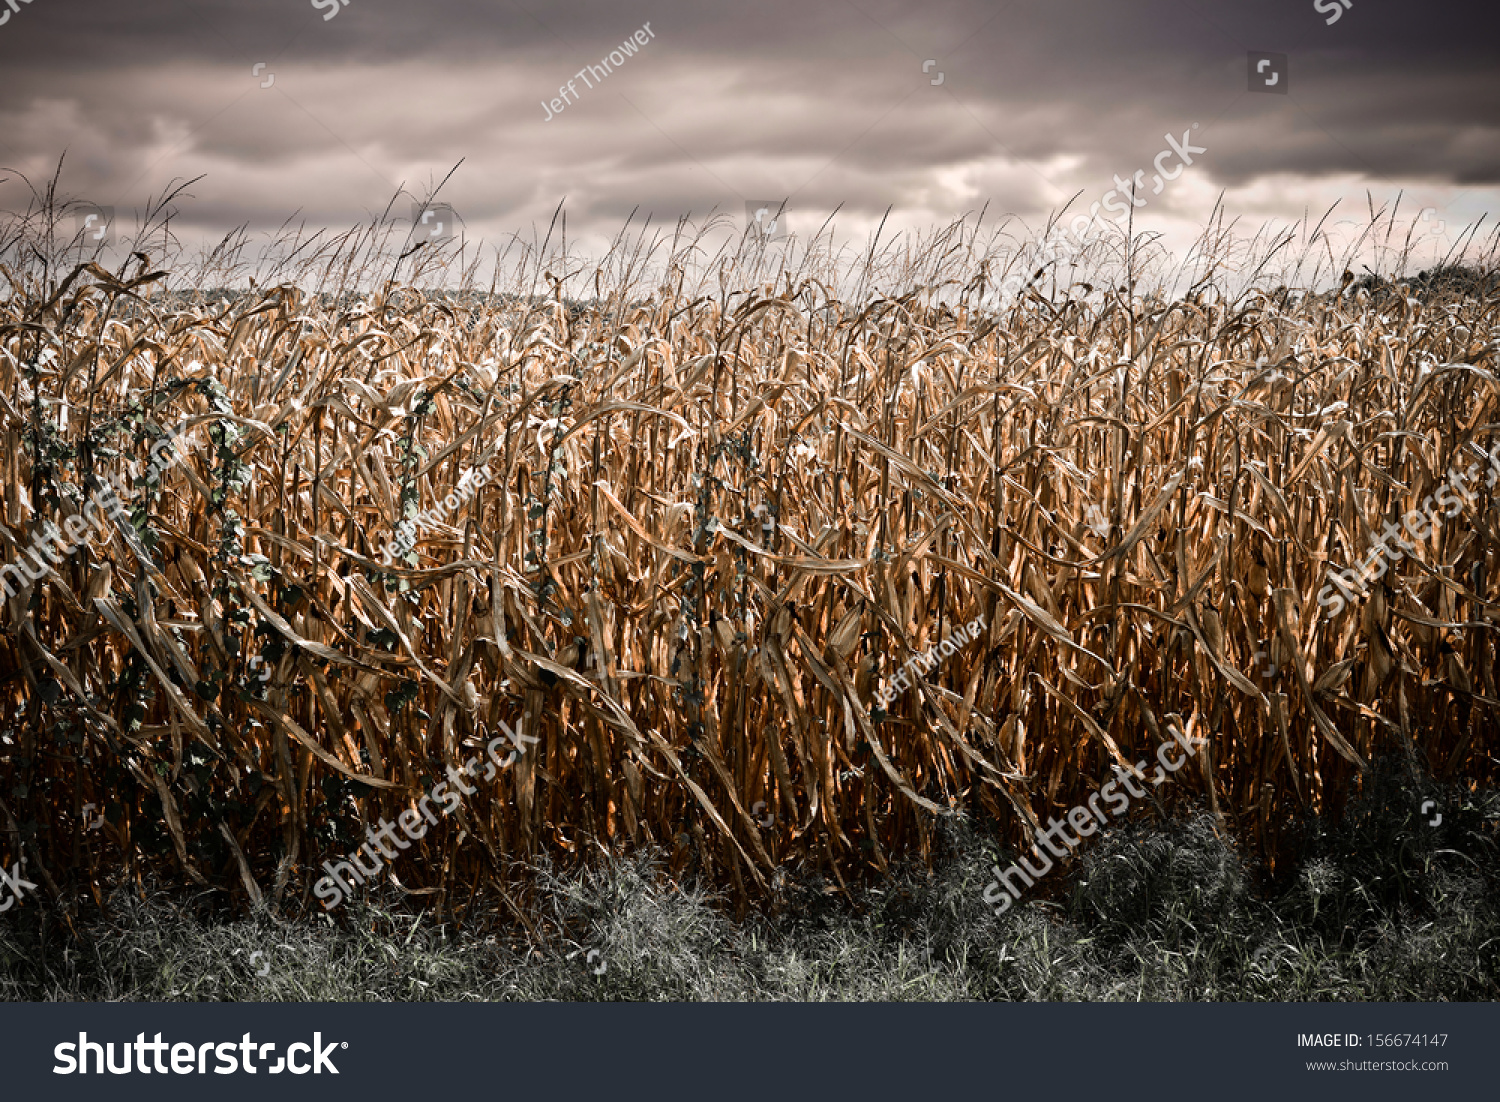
[[826, 103]]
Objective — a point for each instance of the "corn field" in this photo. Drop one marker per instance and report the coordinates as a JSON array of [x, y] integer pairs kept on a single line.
[[715, 522]]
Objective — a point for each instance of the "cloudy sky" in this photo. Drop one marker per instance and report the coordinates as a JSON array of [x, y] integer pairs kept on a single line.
[[933, 110]]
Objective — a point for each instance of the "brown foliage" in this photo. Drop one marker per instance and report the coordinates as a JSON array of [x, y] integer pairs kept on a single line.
[[713, 532]]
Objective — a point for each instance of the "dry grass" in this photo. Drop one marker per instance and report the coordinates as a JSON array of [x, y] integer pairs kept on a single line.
[[718, 523]]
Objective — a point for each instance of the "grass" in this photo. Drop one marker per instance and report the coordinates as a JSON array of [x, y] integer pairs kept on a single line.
[[1380, 908]]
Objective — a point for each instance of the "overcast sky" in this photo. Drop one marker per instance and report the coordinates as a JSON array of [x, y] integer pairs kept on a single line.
[[818, 103]]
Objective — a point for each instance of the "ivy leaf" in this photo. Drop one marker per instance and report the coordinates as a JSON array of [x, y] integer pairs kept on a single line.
[[400, 697]]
